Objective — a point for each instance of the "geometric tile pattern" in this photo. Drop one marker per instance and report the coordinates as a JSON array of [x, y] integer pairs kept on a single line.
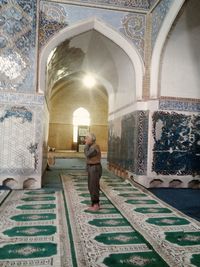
[[182, 105], [176, 148], [20, 134], [133, 4], [19, 98], [128, 142], [17, 45]]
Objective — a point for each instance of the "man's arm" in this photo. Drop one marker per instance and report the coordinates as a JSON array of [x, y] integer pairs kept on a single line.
[[90, 151]]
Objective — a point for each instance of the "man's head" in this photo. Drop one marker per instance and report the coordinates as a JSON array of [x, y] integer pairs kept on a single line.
[[90, 139]]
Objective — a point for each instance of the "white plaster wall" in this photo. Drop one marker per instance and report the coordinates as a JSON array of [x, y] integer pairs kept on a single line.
[[108, 62], [106, 59], [180, 66]]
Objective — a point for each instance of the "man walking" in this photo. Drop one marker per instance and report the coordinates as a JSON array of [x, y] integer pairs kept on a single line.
[[93, 157]]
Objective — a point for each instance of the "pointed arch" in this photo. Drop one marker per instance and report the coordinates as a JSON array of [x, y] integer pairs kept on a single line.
[[105, 30], [160, 41], [81, 116]]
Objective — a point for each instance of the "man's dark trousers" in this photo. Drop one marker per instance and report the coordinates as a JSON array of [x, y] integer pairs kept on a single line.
[[94, 175]]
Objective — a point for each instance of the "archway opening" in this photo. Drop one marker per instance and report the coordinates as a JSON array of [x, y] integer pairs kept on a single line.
[[81, 117], [114, 86]]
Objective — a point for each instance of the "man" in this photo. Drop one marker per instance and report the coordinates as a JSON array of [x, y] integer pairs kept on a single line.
[[93, 157]]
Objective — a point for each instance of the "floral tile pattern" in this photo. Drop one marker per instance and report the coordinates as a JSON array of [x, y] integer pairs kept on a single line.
[[176, 143], [18, 45]]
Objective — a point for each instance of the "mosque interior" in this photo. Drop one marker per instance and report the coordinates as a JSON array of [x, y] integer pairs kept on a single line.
[[127, 71]]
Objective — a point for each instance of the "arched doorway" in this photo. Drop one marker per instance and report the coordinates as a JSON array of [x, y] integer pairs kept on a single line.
[[81, 117], [91, 47]]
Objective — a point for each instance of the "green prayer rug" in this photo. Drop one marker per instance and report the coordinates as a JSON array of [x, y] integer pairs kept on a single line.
[[34, 230], [144, 259], [173, 235], [105, 237], [133, 228]]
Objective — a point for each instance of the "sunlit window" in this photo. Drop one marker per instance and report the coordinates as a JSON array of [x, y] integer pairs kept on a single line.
[[80, 117]]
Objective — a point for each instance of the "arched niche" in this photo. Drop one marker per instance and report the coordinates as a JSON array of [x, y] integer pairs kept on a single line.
[[105, 30]]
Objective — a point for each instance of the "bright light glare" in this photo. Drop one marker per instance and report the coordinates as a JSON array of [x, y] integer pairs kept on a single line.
[[89, 81], [80, 117]]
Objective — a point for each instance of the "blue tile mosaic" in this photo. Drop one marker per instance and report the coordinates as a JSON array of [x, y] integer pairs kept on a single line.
[[21, 139], [18, 45], [24, 99], [142, 141], [130, 25], [134, 29], [179, 105], [53, 18], [17, 112], [158, 16], [133, 4], [128, 149], [176, 148]]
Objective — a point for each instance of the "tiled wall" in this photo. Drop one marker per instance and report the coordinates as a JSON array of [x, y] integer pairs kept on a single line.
[[22, 111], [18, 45], [21, 118], [20, 108], [128, 142], [176, 138], [171, 157], [176, 149], [133, 4]]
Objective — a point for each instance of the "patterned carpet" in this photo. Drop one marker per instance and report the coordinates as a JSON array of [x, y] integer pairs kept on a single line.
[[33, 229], [52, 227], [133, 227]]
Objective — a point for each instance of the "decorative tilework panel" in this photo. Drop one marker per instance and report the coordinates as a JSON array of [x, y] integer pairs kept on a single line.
[[179, 105], [53, 18], [133, 4], [17, 45], [158, 16], [133, 28], [127, 145], [130, 25], [176, 143], [142, 141], [25, 99], [20, 139]]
